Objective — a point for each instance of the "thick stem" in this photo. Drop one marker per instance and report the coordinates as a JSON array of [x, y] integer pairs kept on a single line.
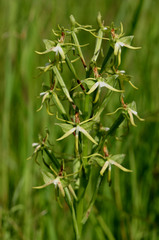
[[110, 51], [87, 213], [112, 129], [70, 204]]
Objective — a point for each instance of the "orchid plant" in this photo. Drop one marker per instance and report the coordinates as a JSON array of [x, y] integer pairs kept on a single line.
[[77, 106]]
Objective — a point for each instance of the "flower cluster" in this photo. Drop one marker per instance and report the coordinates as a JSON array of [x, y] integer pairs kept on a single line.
[[77, 104]]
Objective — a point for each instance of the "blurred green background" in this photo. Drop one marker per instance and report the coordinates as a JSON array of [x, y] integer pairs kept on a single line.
[[129, 210]]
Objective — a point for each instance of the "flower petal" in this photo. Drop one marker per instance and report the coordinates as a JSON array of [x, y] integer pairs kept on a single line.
[[93, 88], [106, 164], [87, 134], [103, 84], [66, 134], [119, 166]]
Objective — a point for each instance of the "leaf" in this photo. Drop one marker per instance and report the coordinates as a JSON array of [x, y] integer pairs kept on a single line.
[[87, 134], [58, 103], [62, 84]]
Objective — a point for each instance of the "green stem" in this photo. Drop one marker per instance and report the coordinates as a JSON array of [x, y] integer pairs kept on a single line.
[[115, 125], [98, 46], [70, 204], [87, 213], [110, 51], [112, 129], [52, 158]]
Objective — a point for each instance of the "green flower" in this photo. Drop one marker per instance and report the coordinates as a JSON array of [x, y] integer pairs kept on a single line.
[[60, 183], [75, 128], [118, 41], [106, 162], [129, 111], [100, 83]]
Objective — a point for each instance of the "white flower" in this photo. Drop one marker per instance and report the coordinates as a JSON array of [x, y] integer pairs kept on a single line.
[[58, 50]]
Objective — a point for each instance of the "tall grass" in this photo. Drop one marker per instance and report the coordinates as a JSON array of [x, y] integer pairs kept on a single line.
[[130, 207]]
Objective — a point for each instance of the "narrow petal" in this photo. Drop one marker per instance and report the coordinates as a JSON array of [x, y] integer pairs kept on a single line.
[[119, 166], [45, 97], [93, 88], [104, 168], [66, 134], [61, 188], [135, 113], [133, 85], [47, 51], [44, 185], [131, 118], [131, 47], [116, 48], [120, 108], [87, 134], [103, 84]]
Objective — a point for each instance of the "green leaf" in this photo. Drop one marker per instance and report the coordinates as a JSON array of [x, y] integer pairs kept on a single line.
[[62, 84], [98, 46], [58, 103]]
